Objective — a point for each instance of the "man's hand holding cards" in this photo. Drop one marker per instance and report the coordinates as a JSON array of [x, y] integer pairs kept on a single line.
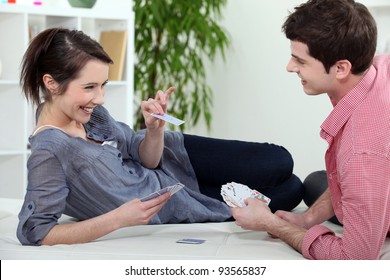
[[172, 189], [234, 194]]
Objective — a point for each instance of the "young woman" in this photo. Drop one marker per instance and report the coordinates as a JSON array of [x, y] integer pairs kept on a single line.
[[85, 164]]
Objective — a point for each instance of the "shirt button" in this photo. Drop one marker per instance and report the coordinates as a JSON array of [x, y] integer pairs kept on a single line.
[[105, 136], [29, 207], [119, 155], [330, 176]]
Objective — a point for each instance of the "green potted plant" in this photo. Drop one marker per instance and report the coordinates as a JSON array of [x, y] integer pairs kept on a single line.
[[173, 38], [82, 3]]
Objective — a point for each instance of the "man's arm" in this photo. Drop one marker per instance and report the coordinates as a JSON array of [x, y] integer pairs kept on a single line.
[[318, 213], [290, 233], [289, 227], [257, 216]]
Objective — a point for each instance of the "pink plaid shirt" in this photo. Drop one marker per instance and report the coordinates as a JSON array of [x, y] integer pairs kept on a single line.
[[358, 169]]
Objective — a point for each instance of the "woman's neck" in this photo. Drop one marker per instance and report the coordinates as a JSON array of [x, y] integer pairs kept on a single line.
[[47, 117]]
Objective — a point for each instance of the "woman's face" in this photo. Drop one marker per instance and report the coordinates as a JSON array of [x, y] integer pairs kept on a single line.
[[83, 93]]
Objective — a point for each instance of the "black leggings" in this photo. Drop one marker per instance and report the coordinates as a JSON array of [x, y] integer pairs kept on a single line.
[[262, 166]]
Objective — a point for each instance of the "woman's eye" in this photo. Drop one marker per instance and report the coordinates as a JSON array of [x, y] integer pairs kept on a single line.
[[89, 87]]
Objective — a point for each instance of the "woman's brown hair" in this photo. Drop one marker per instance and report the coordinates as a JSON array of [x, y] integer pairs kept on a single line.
[[61, 53]]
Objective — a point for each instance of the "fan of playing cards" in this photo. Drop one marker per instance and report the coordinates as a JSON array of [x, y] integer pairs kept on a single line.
[[234, 194]]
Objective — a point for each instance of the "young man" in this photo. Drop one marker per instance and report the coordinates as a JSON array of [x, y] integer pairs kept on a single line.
[[333, 47]]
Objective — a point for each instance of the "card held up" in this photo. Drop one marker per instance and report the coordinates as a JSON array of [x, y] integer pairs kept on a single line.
[[168, 118]]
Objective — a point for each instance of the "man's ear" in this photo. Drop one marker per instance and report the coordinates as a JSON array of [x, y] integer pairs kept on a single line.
[[50, 83], [343, 68]]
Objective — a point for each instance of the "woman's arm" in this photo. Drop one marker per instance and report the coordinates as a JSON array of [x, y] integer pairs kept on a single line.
[[151, 148], [131, 213]]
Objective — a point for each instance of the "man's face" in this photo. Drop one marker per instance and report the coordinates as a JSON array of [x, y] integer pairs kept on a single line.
[[311, 71]]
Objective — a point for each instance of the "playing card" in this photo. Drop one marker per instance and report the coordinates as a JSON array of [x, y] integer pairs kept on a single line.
[[172, 189], [242, 191], [260, 196], [234, 194], [175, 188], [191, 241], [168, 118]]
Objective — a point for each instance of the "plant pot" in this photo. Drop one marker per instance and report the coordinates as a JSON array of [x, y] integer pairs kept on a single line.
[[82, 3]]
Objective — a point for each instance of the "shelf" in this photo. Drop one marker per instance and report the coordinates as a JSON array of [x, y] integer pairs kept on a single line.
[[13, 175], [13, 152], [9, 82], [65, 11]]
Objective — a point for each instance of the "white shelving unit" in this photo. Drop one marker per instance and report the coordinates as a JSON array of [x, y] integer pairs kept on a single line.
[[16, 115]]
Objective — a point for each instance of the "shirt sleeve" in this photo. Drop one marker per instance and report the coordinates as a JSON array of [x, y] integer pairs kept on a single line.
[[365, 188], [45, 198], [129, 141]]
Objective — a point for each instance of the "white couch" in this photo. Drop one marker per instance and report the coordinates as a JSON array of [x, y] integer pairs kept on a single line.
[[223, 241]]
